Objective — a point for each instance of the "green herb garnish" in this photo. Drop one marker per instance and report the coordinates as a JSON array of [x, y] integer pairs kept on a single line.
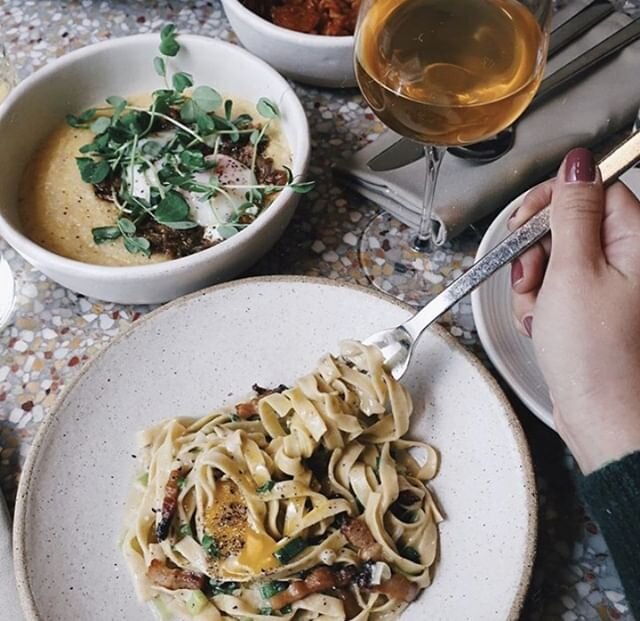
[[149, 172], [266, 487], [210, 546], [223, 588], [270, 589], [290, 550], [410, 554]]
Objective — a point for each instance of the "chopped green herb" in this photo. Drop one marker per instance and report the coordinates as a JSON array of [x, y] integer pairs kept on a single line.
[[223, 588], [290, 550], [266, 487], [270, 589], [265, 611], [409, 517], [410, 554], [182, 481], [210, 546], [184, 530], [286, 609]]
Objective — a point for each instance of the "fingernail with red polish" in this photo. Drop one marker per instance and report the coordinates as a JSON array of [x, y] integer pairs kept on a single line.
[[579, 166], [527, 322], [516, 272]]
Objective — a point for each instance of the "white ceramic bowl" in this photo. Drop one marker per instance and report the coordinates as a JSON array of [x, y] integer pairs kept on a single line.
[[511, 353], [309, 58], [122, 67]]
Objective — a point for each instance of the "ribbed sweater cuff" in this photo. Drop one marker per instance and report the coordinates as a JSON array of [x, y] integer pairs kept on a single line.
[[612, 494]]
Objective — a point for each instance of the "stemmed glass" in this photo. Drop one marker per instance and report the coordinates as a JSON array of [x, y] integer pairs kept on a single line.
[[443, 73], [7, 283]]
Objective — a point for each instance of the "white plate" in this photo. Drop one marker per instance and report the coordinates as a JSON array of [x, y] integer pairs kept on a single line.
[[511, 353], [207, 349]]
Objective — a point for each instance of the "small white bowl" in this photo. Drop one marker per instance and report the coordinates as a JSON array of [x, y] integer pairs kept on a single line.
[[124, 67], [313, 59]]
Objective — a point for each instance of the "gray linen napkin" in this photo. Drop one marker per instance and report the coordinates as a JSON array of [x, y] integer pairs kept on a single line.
[[9, 606], [598, 106]]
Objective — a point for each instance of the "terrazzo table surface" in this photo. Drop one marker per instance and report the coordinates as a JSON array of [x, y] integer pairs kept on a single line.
[[56, 331]]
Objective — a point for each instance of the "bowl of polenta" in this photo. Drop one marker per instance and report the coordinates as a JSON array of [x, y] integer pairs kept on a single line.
[[140, 169]]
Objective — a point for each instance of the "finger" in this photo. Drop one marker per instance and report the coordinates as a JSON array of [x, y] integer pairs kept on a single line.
[[527, 271], [622, 205], [621, 228], [522, 305], [577, 210], [535, 200]]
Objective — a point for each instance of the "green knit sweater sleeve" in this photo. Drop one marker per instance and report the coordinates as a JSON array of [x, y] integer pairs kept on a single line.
[[612, 494]]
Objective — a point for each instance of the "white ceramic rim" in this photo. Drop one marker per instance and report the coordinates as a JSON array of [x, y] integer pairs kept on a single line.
[[489, 240], [293, 36], [482, 325], [105, 273], [27, 599]]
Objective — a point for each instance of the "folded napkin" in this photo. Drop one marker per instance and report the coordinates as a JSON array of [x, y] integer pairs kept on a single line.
[[9, 606], [599, 105]]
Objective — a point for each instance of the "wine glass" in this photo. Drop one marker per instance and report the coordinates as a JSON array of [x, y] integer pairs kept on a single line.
[[442, 73], [7, 283]]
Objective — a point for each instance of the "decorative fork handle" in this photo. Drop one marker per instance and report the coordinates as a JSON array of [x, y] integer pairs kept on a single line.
[[623, 157]]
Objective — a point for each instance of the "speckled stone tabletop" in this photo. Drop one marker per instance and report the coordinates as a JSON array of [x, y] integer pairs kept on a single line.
[[56, 331]]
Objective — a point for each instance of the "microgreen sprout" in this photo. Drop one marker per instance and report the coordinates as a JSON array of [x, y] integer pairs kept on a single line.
[[154, 163]]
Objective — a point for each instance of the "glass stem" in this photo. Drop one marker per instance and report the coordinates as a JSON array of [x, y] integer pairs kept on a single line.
[[433, 157]]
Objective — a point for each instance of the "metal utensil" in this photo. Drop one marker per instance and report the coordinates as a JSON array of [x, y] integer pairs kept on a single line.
[[405, 151], [496, 147], [585, 19], [397, 344]]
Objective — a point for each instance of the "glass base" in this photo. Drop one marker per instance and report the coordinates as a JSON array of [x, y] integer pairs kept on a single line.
[[388, 258]]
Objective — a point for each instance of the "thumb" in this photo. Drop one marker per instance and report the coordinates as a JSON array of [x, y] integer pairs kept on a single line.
[[577, 209]]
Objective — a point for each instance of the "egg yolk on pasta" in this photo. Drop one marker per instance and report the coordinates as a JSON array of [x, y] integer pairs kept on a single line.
[[226, 519], [257, 553]]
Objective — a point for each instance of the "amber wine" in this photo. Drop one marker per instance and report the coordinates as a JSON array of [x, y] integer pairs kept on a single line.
[[449, 72]]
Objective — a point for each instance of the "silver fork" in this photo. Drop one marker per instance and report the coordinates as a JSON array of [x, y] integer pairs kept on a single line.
[[397, 344]]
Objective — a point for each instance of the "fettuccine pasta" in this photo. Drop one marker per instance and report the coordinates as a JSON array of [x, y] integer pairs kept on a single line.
[[304, 502]]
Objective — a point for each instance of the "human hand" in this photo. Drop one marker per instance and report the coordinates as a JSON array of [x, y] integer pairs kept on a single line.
[[578, 295]]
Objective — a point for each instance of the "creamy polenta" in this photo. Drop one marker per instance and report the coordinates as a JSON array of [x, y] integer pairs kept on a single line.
[[58, 210]]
